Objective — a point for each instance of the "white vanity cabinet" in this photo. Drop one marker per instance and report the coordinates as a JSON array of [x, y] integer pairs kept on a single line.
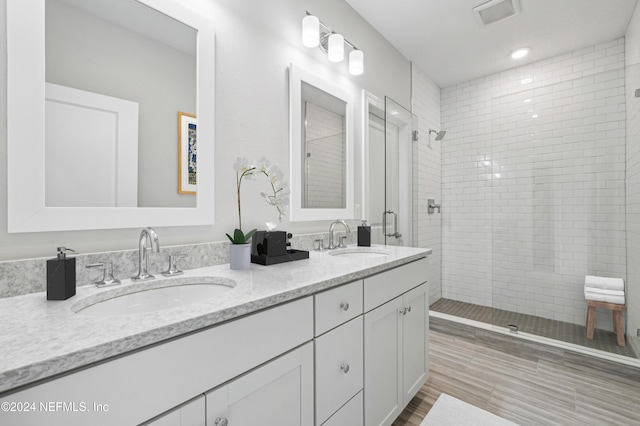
[[139, 386], [339, 355], [278, 393], [395, 341], [351, 355], [191, 413]]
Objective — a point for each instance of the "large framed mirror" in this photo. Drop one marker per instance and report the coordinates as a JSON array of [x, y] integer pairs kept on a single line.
[[94, 94], [321, 148]]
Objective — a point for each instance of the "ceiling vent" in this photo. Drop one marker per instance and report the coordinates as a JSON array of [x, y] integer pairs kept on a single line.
[[496, 10]]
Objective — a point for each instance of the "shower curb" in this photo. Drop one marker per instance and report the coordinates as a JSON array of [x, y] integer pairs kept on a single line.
[[534, 351]]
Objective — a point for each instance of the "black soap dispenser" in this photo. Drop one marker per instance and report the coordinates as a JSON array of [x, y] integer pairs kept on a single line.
[[364, 235], [61, 276]]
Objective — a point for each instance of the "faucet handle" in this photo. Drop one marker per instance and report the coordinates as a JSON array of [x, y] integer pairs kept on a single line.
[[173, 269], [342, 242], [107, 277]]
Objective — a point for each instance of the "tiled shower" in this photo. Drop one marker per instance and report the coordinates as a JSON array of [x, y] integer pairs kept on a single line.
[[534, 184]]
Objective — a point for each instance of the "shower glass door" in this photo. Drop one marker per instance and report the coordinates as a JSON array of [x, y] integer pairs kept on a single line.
[[389, 173], [557, 210], [396, 217]]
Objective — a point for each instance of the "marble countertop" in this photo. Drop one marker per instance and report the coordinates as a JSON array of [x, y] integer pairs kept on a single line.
[[40, 338]]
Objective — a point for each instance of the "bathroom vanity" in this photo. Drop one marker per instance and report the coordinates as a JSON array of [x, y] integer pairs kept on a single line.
[[338, 339]]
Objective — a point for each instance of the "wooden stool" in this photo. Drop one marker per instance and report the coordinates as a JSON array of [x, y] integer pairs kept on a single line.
[[616, 310]]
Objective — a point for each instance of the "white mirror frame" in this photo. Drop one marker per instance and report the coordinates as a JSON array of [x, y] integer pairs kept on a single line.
[[25, 131], [297, 75]]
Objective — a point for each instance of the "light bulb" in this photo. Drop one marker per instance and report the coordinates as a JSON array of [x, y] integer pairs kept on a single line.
[[336, 48], [356, 62], [520, 53], [310, 31]]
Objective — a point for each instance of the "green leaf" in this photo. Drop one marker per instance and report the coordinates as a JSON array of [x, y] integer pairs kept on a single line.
[[250, 234], [239, 237]]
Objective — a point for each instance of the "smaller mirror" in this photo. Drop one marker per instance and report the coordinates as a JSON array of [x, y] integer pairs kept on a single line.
[[321, 127]]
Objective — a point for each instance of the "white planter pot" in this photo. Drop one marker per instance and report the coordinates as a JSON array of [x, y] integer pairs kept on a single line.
[[240, 256]]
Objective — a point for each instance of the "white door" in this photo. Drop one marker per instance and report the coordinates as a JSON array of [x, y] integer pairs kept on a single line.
[[91, 154], [383, 364], [278, 393]]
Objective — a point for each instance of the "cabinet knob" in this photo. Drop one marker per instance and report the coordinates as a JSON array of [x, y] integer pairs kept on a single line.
[[345, 368], [408, 308], [403, 311], [221, 421], [344, 306]]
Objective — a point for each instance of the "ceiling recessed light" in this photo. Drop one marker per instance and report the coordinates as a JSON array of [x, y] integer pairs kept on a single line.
[[520, 53]]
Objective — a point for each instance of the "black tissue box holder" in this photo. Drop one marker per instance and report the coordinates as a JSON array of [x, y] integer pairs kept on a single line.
[[269, 243], [270, 248]]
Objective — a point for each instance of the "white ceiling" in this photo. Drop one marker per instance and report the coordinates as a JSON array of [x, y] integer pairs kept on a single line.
[[444, 40]]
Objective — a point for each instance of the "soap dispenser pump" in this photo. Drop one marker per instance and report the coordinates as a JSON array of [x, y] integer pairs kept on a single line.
[[61, 276], [364, 235]]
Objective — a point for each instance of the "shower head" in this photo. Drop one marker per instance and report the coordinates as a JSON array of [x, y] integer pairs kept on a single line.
[[439, 134]]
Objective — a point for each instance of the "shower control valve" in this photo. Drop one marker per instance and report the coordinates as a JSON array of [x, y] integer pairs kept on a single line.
[[432, 206]]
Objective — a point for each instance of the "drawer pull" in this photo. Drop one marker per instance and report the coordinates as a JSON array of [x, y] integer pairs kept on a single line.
[[344, 306], [221, 421], [345, 368]]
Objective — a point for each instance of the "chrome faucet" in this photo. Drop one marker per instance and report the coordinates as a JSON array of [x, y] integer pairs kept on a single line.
[[147, 233], [346, 227]]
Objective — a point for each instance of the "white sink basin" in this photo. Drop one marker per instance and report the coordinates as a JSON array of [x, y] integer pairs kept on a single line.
[[153, 296], [360, 252]]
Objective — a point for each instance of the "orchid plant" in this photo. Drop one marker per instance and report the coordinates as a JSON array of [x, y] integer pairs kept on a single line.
[[279, 196]]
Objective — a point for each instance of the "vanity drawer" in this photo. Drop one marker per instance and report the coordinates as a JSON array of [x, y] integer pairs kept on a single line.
[[337, 306], [349, 415], [387, 285], [339, 367]]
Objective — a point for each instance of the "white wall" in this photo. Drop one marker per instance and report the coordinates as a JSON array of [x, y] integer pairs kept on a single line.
[[427, 168], [533, 204], [255, 43], [632, 57]]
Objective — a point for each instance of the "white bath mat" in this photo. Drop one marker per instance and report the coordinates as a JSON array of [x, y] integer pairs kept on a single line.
[[449, 411]]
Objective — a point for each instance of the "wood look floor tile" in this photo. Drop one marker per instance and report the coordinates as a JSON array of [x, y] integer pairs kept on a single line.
[[531, 389]]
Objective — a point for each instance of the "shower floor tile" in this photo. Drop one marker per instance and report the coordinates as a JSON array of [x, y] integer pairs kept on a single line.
[[553, 329]]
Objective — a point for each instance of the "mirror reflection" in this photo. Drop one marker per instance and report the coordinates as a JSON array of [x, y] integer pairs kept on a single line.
[[321, 147], [324, 150], [117, 75]]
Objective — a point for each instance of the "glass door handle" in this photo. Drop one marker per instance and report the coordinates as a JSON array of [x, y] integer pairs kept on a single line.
[[395, 224]]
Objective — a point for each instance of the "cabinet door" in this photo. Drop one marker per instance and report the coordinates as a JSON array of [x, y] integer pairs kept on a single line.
[[339, 368], [278, 393], [414, 344], [383, 394], [190, 414]]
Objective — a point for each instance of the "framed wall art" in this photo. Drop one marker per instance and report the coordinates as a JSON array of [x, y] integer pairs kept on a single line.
[[187, 153]]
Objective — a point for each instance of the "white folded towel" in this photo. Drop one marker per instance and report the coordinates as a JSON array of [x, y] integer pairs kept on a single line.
[[607, 298], [603, 282], [604, 292]]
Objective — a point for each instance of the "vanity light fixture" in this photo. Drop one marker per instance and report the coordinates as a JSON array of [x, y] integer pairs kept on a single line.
[[317, 34], [356, 62], [310, 31], [336, 48]]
